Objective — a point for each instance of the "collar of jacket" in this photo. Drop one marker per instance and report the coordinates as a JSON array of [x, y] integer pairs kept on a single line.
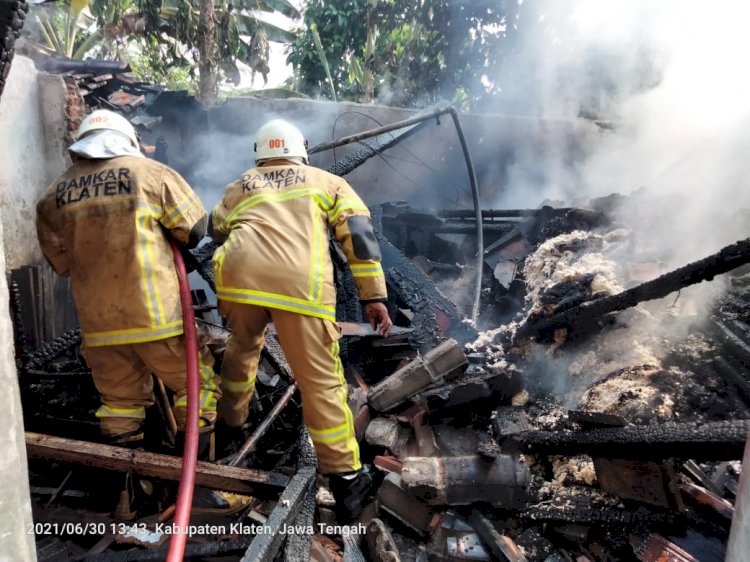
[[104, 144]]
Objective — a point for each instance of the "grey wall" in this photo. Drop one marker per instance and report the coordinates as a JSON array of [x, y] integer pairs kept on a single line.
[[15, 510], [510, 154], [32, 124]]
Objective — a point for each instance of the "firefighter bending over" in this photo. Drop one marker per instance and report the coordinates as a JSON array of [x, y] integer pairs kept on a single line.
[[274, 264], [105, 223]]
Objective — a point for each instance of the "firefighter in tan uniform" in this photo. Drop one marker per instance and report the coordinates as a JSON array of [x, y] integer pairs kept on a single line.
[[274, 264], [105, 223]]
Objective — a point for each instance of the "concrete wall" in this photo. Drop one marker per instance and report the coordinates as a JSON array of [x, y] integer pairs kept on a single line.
[[32, 127], [16, 543], [428, 170]]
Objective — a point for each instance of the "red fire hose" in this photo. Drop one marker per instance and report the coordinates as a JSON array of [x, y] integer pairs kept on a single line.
[[190, 450]]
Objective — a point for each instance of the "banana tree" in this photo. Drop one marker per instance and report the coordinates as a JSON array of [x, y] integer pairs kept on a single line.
[[66, 28], [194, 37]]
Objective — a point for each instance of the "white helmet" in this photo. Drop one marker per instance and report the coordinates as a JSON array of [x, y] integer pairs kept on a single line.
[[105, 119], [280, 139]]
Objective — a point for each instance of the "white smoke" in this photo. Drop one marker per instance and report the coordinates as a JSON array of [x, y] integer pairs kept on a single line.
[[667, 77]]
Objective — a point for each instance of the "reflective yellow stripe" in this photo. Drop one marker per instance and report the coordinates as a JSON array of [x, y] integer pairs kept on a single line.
[[276, 198], [237, 387], [175, 214], [341, 436], [272, 300], [218, 260], [207, 402], [345, 205], [207, 375], [105, 411], [318, 434], [133, 335], [146, 261], [366, 269], [317, 253], [218, 222], [344, 431], [351, 443]]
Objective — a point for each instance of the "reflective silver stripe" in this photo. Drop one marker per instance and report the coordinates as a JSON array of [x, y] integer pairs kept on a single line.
[[345, 205], [340, 435], [277, 302], [176, 213], [132, 336], [108, 207]]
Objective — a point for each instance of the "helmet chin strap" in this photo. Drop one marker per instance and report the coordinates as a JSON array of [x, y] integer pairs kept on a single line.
[[272, 161]]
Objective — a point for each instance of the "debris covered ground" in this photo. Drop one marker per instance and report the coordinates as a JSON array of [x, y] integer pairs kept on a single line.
[[613, 437]]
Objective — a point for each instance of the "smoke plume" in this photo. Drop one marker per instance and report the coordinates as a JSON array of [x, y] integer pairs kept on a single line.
[[665, 81]]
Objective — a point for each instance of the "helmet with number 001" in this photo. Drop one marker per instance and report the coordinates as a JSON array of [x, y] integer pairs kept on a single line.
[[280, 139], [105, 119]]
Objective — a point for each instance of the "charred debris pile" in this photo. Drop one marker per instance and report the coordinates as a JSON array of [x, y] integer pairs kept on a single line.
[[593, 413], [588, 418]]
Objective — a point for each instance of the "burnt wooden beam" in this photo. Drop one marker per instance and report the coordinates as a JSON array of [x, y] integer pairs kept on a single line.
[[722, 440], [209, 475], [655, 548], [706, 269], [704, 497], [644, 481], [265, 546], [299, 545], [436, 317], [578, 505]]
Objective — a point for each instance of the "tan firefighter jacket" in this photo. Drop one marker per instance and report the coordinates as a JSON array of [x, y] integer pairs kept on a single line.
[[103, 222], [276, 255]]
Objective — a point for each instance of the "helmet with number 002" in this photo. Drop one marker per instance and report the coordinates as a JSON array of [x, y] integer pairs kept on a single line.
[[279, 139], [105, 119]]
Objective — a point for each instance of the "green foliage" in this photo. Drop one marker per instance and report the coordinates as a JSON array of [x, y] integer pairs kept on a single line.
[[64, 28], [148, 63], [419, 52], [173, 25]]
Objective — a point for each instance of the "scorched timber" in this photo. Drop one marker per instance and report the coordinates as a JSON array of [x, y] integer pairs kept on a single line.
[[265, 546], [723, 440], [729, 258], [244, 481], [435, 316]]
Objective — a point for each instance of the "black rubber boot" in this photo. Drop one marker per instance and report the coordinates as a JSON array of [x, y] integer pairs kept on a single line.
[[205, 445], [203, 497], [351, 494], [229, 440], [123, 494]]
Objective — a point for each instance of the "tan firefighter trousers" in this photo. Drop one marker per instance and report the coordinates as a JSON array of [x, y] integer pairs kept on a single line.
[[122, 375], [311, 346]]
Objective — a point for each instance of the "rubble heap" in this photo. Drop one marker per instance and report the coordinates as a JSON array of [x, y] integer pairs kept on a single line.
[[613, 438]]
